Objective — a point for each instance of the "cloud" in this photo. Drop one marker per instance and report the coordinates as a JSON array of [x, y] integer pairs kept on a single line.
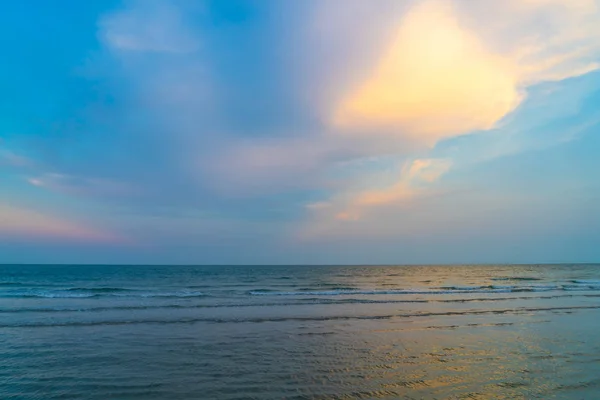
[[148, 26], [435, 80], [320, 205], [84, 186], [547, 39], [276, 164], [428, 170], [19, 222], [382, 80], [443, 69], [150, 109], [413, 182], [409, 75], [12, 159], [410, 184], [455, 67]]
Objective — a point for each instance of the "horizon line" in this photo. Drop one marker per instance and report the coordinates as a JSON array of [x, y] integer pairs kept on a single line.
[[296, 265]]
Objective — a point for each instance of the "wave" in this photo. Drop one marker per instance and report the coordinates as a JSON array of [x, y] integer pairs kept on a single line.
[[516, 278], [594, 282], [316, 301], [465, 287], [581, 288], [330, 286], [440, 291], [79, 293], [215, 320], [176, 294], [11, 283], [99, 289], [303, 293]]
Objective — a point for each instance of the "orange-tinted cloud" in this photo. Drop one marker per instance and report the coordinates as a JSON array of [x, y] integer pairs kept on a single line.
[[455, 67], [435, 80], [412, 183]]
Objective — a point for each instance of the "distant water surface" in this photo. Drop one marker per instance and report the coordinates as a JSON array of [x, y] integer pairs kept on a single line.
[[302, 332]]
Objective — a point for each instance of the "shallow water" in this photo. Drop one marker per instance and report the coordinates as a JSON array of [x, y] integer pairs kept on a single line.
[[148, 332]]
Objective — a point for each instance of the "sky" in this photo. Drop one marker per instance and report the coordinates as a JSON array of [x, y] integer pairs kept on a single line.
[[300, 132]]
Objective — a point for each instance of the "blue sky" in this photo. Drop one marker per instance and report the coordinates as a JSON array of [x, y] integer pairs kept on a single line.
[[330, 131]]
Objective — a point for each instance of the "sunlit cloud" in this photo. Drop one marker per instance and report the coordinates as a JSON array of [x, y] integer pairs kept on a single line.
[[428, 170], [448, 68], [444, 74], [412, 183], [409, 184], [435, 80]]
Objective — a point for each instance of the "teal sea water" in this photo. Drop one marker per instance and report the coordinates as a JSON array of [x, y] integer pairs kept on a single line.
[[303, 332]]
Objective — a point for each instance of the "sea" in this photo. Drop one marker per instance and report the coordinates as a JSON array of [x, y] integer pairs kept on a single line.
[[299, 332]]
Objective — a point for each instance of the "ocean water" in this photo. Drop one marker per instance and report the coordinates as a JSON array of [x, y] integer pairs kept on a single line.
[[302, 332]]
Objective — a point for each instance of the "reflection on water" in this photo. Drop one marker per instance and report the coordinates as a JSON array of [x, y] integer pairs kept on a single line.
[[478, 332], [456, 359]]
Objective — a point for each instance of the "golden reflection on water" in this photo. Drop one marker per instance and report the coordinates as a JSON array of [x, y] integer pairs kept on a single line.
[[440, 348], [469, 360]]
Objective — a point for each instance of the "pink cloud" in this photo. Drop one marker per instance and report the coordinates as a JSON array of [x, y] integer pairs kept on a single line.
[[19, 222]]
